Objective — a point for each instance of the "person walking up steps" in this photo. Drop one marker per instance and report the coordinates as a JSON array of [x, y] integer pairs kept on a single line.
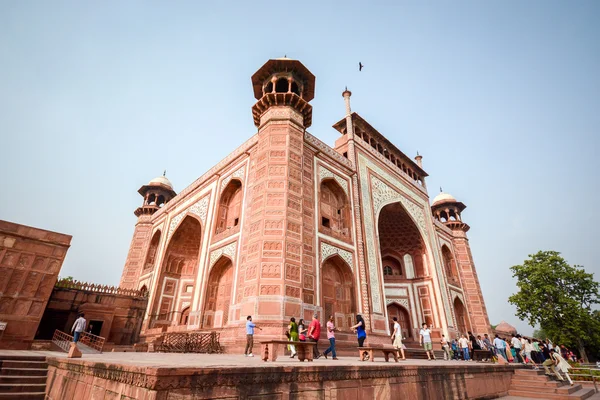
[[397, 338], [331, 336], [250, 326], [425, 341], [78, 327]]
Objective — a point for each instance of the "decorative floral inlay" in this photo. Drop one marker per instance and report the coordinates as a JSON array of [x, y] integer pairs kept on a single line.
[[402, 302], [328, 250], [228, 250], [325, 173], [200, 209], [237, 174]]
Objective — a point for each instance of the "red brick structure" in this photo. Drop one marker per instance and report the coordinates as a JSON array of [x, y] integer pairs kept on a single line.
[[111, 312], [30, 260], [288, 226]]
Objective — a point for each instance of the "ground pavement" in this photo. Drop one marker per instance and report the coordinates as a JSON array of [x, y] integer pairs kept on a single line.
[[189, 360]]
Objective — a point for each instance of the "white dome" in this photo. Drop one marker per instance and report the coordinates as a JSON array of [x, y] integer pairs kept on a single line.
[[444, 198], [161, 181]]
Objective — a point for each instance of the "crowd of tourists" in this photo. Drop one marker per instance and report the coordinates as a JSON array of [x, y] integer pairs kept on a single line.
[[517, 349]]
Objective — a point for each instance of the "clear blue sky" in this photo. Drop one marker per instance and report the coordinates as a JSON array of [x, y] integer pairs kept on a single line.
[[502, 99]]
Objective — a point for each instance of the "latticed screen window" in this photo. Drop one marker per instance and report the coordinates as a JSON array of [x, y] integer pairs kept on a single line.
[[387, 270], [328, 310]]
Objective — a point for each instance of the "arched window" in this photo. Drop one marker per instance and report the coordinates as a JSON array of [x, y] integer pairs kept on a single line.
[[335, 210], [282, 85], [230, 207], [151, 254], [185, 315], [449, 263], [269, 87], [295, 88], [387, 270]]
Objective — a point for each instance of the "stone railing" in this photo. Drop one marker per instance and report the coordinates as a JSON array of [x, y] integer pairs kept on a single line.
[[97, 288]]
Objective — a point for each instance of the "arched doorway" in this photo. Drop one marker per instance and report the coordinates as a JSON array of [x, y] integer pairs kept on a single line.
[[398, 234], [338, 298], [180, 263], [461, 316], [395, 310], [218, 298], [185, 316]]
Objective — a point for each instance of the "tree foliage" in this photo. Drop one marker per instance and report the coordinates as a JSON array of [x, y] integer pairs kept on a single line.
[[559, 297], [540, 334]]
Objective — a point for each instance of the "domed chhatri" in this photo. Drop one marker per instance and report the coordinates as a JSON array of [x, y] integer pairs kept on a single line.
[[505, 328], [443, 198], [161, 181]]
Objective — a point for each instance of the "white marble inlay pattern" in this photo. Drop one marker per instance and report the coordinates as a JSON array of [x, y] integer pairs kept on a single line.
[[237, 174], [228, 250], [325, 173], [328, 250], [402, 302]]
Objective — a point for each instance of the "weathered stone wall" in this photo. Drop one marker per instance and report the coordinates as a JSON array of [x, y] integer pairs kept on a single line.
[[30, 260], [121, 315], [75, 380]]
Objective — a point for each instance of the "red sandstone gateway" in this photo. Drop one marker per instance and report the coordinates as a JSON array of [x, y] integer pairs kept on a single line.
[[288, 226]]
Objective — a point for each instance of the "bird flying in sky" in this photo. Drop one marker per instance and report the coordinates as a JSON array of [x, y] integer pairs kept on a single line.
[[360, 66]]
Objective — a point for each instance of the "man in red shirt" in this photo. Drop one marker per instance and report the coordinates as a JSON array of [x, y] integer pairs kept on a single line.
[[314, 331]]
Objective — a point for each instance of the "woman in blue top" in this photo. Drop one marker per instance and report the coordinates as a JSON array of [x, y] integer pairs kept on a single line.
[[361, 334]]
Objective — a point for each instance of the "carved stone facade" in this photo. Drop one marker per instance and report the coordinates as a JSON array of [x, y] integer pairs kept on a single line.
[[30, 260], [340, 231]]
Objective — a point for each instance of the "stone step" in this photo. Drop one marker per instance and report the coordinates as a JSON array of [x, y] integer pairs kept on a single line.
[[25, 371], [4, 357], [527, 371], [562, 389], [22, 364], [20, 387], [25, 379], [536, 382], [581, 394], [23, 396]]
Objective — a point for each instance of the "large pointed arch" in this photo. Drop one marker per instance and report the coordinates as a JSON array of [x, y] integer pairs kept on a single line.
[[230, 207], [179, 263], [334, 210]]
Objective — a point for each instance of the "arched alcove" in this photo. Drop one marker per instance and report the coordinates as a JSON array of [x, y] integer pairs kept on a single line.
[[403, 315], [461, 316], [450, 264], [334, 210], [338, 293], [151, 253], [218, 294], [230, 207]]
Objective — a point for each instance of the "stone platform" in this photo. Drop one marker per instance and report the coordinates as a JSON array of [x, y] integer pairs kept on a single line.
[[157, 376]]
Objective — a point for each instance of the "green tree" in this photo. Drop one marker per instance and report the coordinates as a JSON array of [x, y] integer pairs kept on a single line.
[[540, 334], [559, 297]]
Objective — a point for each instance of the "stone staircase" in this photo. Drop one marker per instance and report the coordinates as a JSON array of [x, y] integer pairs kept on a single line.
[[535, 384], [23, 377]]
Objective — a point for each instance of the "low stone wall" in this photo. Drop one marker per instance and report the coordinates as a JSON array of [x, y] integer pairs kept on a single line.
[[78, 379]]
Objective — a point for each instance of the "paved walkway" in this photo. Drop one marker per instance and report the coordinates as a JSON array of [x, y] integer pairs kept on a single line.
[[189, 360]]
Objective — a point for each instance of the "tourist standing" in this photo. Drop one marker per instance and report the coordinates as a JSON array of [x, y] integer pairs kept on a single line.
[[314, 331], [361, 334], [78, 327], [425, 341], [500, 346], [331, 336], [455, 349], [397, 338], [250, 326], [293, 331], [302, 329], [488, 345], [464, 345], [446, 348]]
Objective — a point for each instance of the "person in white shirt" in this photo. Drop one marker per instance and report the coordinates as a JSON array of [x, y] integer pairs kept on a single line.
[[78, 327], [464, 345], [500, 346], [516, 343], [425, 341], [397, 338], [527, 350]]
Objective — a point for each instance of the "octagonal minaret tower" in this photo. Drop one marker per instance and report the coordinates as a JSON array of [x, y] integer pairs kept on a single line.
[[448, 210], [158, 192], [273, 251]]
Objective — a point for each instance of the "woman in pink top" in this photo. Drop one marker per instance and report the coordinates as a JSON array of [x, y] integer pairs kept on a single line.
[[331, 337]]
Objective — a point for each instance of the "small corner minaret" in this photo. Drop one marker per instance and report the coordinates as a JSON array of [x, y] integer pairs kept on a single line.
[[156, 194], [447, 210], [419, 160]]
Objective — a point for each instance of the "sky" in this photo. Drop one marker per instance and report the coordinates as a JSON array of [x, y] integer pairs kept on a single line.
[[502, 99]]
